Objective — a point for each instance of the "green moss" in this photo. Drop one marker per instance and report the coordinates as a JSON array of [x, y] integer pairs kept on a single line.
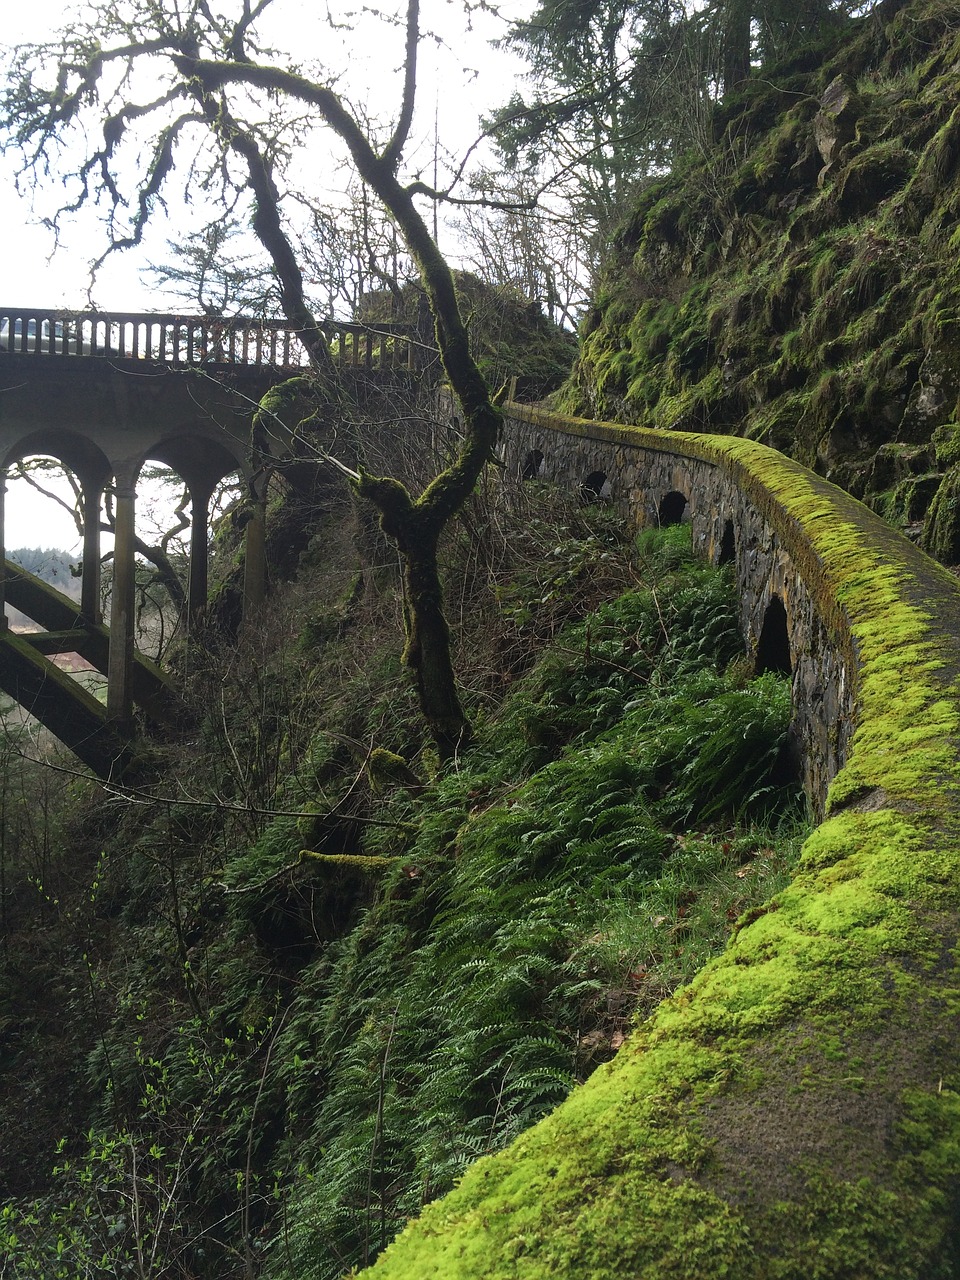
[[939, 160], [689, 409], [386, 769], [663, 219], [946, 442], [363, 863], [820, 1030], [290, 405], [941, 530]]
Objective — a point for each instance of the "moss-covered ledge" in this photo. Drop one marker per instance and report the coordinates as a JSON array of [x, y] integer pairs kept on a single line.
[[795, 1111]]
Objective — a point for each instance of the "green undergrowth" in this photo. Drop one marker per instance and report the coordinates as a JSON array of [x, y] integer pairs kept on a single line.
[[618, 814], [793, 1111], [314, 1003]]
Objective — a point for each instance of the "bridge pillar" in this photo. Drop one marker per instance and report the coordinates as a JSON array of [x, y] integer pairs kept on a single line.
[[90, 494], [199, 536], [255, 548], [122, 602]]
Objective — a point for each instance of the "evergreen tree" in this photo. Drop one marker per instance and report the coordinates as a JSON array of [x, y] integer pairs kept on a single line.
[[619, 88]]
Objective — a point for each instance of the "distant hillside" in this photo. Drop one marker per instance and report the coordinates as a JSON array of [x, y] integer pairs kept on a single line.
[[510, 336], [50, 564], [800, 281]]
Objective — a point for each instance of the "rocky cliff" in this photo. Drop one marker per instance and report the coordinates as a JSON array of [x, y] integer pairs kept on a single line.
[[798, 280]]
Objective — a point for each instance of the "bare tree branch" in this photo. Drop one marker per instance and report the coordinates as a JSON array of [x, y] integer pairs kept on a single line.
[[392, 154]]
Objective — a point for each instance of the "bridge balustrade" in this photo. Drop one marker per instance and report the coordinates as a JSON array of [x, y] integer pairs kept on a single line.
[[190, 341]]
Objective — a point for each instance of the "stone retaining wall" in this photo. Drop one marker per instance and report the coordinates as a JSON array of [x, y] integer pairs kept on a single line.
[[663, 481]]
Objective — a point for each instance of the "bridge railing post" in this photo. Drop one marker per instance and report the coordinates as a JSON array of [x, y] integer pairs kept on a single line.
[[188, 341]]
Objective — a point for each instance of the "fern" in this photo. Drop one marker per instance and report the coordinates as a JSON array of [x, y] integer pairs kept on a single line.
[[553, 886]]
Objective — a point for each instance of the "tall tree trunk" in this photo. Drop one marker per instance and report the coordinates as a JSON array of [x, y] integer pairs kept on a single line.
[[426, 653], [415, 524], [736, 44]]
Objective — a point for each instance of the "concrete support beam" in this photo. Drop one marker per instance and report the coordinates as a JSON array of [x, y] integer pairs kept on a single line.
[[199, 539], [153, 691], [122, 600], [91, 495], [64, 707]]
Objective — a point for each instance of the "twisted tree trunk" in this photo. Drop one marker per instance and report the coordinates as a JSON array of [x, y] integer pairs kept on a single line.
[[415, 524]]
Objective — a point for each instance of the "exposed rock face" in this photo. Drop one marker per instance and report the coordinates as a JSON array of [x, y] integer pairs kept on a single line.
[[835, 124], [935, 395], [941, 534], [745, 297]]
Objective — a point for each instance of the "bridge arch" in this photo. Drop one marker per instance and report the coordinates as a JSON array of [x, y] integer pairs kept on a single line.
[[595, 488], [773, 646], [202, 464], [671, 508], [72, 448], [93, 471], [727, 553], [198, 458], [533, 465]]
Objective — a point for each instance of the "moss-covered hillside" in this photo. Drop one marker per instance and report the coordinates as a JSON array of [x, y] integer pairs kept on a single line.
[[509, 335], [799, 281]]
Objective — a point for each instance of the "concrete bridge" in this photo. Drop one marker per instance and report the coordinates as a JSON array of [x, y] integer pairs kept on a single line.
[[104, 393]]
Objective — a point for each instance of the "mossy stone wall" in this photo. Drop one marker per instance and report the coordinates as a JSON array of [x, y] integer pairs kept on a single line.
[[659, 477]]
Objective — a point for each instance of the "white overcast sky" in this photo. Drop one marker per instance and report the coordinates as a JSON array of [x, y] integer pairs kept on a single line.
[[457, 82], [459, 79]]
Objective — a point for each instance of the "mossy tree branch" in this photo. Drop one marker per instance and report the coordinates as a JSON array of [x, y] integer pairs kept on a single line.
[[218, 67], [415, 524]]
